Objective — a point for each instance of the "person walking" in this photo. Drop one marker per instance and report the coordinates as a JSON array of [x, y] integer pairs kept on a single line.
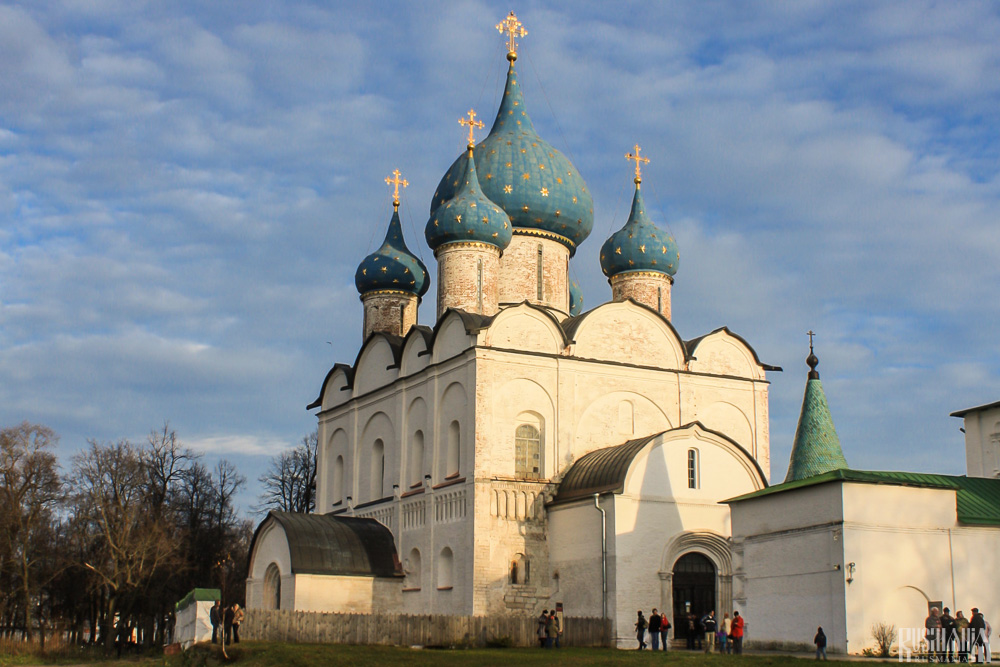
[[820, 641], [654, 629], [214, 617], [665, 631], [542, 620], [962, 636], [738, 625], [237, 619], [947, 648], [708, 626], [640, 630]]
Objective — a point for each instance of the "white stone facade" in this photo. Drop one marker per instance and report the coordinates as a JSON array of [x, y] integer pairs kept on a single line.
[[982, 440]]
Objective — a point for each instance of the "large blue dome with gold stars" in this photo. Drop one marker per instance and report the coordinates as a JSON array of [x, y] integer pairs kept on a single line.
[[392, 267], [535, 184], [468, 216], [639, 245]]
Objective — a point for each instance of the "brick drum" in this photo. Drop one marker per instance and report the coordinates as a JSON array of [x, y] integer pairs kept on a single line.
[[458, 277], [519, 272], [648, 288], [389, 312]]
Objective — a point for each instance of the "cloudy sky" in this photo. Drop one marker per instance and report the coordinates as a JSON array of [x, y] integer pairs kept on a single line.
[[186, 189]]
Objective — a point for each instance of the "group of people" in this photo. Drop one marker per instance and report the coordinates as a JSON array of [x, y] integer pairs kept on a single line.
[[707, 631], [950, 637], [549, 629], [229, 618]]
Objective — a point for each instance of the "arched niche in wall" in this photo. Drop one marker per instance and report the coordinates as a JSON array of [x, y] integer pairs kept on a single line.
[[519, 402], [600, 424], [451, 442]]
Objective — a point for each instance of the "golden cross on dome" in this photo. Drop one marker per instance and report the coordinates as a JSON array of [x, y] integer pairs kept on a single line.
[[396, 181], [473, 124], [810, 333], [513, 28], [638, 163]]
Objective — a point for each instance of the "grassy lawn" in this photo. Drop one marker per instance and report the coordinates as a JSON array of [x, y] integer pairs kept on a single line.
[[275, 654]]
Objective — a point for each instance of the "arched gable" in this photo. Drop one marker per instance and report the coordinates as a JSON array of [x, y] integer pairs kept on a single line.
[[451, 336], [626, 332], [660, 469], [724, 353], [270, 545], [526, 327], [336, 388], [377, 365], [416, 351]]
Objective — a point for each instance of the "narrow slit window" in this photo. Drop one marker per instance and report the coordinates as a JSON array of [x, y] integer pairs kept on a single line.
[[541, 291], [694, 474], [479, 286]]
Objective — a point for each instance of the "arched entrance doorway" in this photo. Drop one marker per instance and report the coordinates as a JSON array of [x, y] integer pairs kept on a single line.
[[694, 590]]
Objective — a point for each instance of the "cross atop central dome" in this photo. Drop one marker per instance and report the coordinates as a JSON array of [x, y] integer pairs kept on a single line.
[[534, 183]]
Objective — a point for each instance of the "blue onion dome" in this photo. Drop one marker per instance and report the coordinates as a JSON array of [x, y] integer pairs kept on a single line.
[[575, 298], [535, 184], [468, 216], [392, 267], [639, 245]]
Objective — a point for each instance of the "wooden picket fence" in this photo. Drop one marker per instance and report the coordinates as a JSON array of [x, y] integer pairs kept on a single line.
[[413, 629]]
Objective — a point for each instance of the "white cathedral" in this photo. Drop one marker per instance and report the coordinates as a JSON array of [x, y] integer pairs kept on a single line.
[[523, 452]]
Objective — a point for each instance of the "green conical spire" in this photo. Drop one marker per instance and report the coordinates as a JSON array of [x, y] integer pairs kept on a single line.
[[817, 447]]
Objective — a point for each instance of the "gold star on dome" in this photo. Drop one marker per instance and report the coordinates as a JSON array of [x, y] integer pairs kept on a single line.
[[513, 29], [364, 272], [525, 175], [486, 220], [618, 250], [664, 251], [458, 219], [643, 248], [384, 269], [508, 189], [544, 192]]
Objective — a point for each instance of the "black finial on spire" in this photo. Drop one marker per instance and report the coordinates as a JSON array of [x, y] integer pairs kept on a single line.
[[812, 360]]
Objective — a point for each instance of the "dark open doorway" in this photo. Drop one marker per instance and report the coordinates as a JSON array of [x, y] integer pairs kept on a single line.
[[694, 591]]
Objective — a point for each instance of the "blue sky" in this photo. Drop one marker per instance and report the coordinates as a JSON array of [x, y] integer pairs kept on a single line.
[[187, 188]]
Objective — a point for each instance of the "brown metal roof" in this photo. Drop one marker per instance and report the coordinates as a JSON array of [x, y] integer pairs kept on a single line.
[[336, 545], [600, 471]]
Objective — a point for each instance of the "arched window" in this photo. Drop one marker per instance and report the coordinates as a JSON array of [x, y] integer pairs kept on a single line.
[[378, 470], [272, 587], [445, 565], [520, 570], [694, 469], [452, 455], [417, 459], [413, 570], [527, 444], [338, 480]]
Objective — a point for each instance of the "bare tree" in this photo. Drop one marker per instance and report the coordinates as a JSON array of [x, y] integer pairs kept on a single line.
[[290, 480], [885, 636], [110, 494], [165, 461], [29, 492]]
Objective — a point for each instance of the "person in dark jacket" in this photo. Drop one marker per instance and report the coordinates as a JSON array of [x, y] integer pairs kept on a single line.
[[227, 624], [214, 617], [708, 626], [978, 637], [820, 641], [640, 630], [947, 649], [692, 629], [654, 629]]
